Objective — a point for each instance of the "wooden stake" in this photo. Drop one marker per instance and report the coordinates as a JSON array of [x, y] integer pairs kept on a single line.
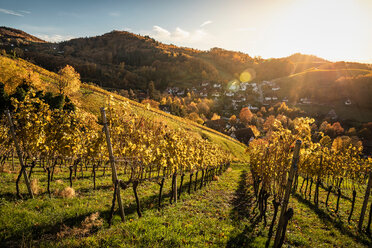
[[19, 153], [292, 172], [112, 162], [365, 202]]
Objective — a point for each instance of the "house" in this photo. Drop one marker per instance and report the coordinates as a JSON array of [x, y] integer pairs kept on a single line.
[[305, 100], [250, 107], [243, 86], [203, 94], [233, 87], [181, 93], [268, 98], [348, 102], [217, 85], [332, 114], [172, 90], [275, 88], [274, 98], [285, 99], [165, 108], [219, 125], [229, 93], [216, 94], [244, 135], [204, 84], [268, 83]]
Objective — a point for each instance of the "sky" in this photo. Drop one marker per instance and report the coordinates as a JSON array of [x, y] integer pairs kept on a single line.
[[332, 29]]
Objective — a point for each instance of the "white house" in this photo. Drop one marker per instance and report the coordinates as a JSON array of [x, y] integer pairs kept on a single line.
[[229, 93], [252, 107], [217, 85]]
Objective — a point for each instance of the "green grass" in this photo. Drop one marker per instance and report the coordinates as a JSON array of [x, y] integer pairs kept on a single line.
[[219, 215]]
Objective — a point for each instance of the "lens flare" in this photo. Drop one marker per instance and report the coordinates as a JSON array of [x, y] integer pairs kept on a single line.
[[247, 75], [233, 85]]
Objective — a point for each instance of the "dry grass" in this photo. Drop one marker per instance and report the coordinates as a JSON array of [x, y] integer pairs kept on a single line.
[[35, 187], [67, 192], [229, 169], [90, 224], [59, 181]]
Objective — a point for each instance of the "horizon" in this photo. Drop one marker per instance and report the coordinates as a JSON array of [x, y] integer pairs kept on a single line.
[[332, 30]]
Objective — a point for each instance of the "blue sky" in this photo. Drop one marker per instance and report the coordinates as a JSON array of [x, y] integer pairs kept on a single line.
[[333, 29]]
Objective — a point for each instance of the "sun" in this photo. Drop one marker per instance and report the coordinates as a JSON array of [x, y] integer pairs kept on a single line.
[[333, 29]]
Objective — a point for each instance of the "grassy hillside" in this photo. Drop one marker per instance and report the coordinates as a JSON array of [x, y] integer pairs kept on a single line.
[[90, 98], [219, 215]]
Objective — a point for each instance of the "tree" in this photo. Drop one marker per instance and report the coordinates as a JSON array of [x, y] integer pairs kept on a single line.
[[245, 115], [132, 95], [338, 129], [151, 90], [4, 99], [215, 117], [69, 81], [233, 120]]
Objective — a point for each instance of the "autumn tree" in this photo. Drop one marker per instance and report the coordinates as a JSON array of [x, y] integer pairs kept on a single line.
[[245, 115], [233, 120], [69, 80], [215, 117]]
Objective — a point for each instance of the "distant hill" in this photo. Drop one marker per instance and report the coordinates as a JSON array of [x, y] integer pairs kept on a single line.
[[125, 60], [16, 34]]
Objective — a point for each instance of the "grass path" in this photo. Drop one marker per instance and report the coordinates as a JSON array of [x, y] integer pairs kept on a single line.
[[218, 215]]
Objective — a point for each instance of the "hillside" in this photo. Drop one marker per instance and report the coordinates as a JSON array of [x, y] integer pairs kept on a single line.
[[125, 60], [328, 89], [90, 98], [12, 34]]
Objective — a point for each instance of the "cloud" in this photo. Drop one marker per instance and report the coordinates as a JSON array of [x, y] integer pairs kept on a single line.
[[180, 36], [161, 32], [25, 11], [205, 23], [55, 37], [10, 12]]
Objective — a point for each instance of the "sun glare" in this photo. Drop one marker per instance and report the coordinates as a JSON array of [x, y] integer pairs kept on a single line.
[[335, 30]]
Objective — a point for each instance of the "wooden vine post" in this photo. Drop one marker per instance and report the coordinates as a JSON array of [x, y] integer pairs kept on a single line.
[[19, 153], [283, 212], [365, 202], [112, 162]]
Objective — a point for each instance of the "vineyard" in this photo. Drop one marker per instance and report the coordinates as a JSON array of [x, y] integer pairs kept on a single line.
[[114, 173], [335, 167]]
